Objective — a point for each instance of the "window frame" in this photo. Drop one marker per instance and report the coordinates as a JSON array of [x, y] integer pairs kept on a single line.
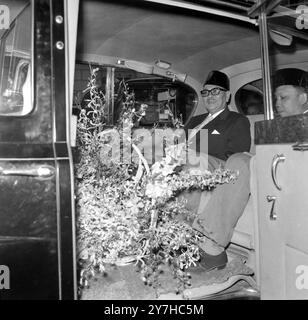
[[237, 98]]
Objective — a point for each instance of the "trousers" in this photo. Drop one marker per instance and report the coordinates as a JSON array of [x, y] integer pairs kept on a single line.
[[219, 210]]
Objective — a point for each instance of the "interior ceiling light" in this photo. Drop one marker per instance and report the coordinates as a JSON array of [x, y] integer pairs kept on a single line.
[[162, 64]]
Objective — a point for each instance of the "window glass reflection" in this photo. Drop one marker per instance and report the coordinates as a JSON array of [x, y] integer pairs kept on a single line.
[[15, 82], [288, 46]]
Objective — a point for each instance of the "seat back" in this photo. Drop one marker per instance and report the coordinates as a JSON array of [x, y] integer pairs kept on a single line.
[[253, 119], [244, 232]]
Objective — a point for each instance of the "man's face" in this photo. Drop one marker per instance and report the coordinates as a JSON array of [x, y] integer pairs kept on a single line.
[[215, 103], [289, 100]]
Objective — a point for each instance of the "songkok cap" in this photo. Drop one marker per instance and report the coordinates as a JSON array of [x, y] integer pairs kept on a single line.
[[292, 77], [219, 79]]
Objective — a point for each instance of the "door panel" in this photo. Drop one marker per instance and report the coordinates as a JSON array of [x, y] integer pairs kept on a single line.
[[284, 241], [28, 204], [28, 232], [37, 236], [292, 176]]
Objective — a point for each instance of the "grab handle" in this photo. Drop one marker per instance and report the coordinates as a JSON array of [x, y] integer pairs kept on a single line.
[[42, 172], [276, 160]]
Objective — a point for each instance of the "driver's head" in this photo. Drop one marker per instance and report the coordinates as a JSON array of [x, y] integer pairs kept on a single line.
[[291, 95]]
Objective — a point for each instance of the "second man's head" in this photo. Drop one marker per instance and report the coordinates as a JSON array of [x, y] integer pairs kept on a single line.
[[291, 97]]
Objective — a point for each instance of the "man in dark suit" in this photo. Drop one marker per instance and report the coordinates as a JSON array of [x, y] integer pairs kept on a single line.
[[228, 137], [228, 132]]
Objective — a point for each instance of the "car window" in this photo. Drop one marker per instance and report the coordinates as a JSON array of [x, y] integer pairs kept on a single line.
[[15, 82], [249, 98], [165, 100], [288, 49]]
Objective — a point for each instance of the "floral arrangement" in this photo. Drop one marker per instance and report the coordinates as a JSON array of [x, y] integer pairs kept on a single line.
[[129, 212]]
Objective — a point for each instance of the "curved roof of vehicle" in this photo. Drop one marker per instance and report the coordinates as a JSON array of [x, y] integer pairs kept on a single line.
[[194, 42]]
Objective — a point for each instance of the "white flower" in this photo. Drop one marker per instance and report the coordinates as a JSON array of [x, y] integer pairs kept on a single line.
[[157, 190], [168, 159], [156, 168], [198, 172], [168, 170], [176, 152]]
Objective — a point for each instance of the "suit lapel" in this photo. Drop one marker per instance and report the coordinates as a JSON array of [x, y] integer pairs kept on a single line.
[[221, 117], [195, 121]]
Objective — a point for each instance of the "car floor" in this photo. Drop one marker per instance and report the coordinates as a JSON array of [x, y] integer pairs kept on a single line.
[[124, 283]]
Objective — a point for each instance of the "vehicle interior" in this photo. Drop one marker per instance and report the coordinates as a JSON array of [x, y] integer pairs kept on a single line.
[[190, 42], [193, 43], [163, 50]]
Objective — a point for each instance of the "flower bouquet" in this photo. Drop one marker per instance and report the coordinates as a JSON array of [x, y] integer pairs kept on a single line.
[[129, 212]]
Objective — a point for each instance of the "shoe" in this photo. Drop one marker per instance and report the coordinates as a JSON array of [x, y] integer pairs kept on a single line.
[[209, 262]]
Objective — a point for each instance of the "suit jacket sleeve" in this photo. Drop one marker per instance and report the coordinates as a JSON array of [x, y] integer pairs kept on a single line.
[[239, 139]]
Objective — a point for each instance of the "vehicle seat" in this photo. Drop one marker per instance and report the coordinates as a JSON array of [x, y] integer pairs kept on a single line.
[[244, 237]]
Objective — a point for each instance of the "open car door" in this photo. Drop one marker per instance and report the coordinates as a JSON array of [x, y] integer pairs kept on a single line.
[[36, 200], [281, 161]]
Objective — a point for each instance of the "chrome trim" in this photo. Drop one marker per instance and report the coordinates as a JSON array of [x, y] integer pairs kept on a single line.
[[201, 8], [273, 215], [277, 158], [60, 45], [273, 5], [227, 4], [74, 223], [240, 294], [52, 91], [208, 291], [267, 98], [59, 19], [258, 5], [42, 172], [33, 77], [267, 5], [33, 84], [242, 287], [57, 181]]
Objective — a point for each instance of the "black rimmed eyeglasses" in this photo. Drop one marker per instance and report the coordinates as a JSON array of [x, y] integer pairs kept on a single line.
[[213, 92]]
